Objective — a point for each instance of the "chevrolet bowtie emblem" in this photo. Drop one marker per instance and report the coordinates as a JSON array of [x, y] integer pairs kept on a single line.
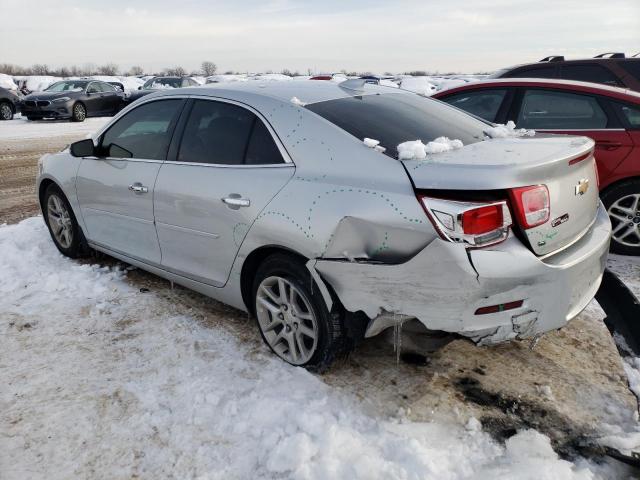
[[582, 186]]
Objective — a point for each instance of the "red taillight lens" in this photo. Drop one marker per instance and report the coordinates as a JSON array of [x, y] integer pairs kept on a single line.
[[531, 204], [499, 308], [482, 220]]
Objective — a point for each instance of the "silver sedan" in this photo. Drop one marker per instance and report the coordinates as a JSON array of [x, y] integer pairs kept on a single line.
[[332, 212]]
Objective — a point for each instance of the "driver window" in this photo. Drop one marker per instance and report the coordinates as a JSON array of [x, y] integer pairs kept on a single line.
[[92, 88], [144, 132]]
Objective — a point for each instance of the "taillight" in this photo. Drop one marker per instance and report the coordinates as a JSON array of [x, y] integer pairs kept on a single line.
[[531, 204], [475, 224], [482, 219]]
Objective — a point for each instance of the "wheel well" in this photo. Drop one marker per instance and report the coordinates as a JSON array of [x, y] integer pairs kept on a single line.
[[618, 182], [43, 188], [11, 104], [250, 267]]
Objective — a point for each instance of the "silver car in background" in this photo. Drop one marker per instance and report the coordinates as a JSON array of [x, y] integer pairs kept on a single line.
[[267, 198]]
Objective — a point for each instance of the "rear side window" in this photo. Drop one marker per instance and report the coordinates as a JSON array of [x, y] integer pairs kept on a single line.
[[483, 103], [554, 110], [632, 67], [395, 118], [589, 73], [144, 132], [630, 112], [262, 150], [225, 134], [535, 72]]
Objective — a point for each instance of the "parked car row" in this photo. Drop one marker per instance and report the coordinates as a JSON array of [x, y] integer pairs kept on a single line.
[[78, 99]]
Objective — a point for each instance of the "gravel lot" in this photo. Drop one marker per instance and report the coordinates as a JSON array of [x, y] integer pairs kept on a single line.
[[572, 386]]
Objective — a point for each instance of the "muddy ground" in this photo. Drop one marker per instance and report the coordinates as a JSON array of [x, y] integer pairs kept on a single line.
[[560, 387]]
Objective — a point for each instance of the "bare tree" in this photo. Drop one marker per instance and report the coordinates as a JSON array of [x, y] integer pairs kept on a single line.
[[108, 69], [136, 70], [176, 71], [40, 69], [209, 68]]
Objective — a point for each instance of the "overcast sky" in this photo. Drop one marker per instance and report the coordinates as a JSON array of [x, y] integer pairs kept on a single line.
[[323, 35]]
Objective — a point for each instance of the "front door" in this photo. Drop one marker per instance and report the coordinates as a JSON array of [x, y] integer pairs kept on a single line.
[[227, 169], [115, 191]]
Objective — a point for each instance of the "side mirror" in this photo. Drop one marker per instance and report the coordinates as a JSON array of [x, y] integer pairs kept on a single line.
[[139, 88], [83, 148]]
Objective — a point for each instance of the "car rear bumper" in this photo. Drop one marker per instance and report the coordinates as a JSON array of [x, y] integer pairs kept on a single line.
[[445, 284]]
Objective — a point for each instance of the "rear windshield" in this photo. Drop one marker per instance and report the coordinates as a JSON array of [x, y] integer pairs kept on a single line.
[[396, 118]]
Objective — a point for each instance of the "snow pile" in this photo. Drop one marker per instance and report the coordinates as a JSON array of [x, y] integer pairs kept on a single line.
[[35, 83], [375, 144], [7, 82], [420, 85], [416, 150], [226, 78], [297, 101], [99, 377], [508, 130]]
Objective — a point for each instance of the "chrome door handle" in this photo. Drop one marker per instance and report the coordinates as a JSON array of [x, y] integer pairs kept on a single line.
[[235, 201], [138, 188]]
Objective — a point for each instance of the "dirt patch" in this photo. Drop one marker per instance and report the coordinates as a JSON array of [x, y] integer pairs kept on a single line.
[[18, 169]]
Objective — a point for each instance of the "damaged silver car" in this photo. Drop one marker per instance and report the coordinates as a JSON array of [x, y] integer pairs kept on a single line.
[[317, 208]]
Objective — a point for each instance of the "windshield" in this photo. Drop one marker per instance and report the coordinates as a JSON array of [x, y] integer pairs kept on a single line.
[[396, 118], [68, 86], [160, 83]]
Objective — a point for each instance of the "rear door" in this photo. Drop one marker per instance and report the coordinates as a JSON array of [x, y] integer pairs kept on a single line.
[[115, 192], [559, 111], [225, 169]]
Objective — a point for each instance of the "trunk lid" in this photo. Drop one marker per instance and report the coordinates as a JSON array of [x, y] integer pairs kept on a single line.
[[564, 164]]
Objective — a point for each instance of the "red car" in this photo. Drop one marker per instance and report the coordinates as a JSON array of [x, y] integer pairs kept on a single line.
[[609, 115]]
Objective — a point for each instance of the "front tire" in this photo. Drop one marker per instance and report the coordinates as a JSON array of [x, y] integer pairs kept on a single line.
[[293, 317], [62, 224], [78, 113], [622, 202], [6, 111]]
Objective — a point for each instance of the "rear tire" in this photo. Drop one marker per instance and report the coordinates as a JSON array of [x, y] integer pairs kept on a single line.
[[292, 315], [62, 224], [622, 202], [78, 112], [6, 111]]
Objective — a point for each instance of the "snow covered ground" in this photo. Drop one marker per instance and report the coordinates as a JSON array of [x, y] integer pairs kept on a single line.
[[20, 127], [102, 380]]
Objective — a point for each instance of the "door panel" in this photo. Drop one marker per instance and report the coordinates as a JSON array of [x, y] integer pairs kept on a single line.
[[116, 194], [200, 234], [115, 215]]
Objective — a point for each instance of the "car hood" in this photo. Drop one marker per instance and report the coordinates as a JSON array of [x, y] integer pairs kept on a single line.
[[52, 95]]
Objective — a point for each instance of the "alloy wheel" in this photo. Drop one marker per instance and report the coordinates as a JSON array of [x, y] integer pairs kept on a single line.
[[79, 112], [5, 111], [60, 221], [625, 218], [287, 320]]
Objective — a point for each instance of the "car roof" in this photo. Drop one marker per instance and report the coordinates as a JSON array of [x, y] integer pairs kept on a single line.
[[597, 88], [305, 91]]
